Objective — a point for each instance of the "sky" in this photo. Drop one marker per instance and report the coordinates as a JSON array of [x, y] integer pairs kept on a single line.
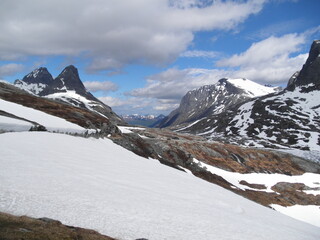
[[143, 56]]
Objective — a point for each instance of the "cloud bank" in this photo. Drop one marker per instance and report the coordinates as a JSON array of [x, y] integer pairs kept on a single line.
[[95, 86], [113, 33], [270, 61]]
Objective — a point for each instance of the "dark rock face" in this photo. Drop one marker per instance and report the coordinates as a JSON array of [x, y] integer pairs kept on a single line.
[[40, 75], [310, 72], [205, 101]]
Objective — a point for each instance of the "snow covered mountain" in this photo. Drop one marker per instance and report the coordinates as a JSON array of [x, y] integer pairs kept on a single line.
[[213, 99], [287, 120], [107, 188], [143, 120], [67, 88]]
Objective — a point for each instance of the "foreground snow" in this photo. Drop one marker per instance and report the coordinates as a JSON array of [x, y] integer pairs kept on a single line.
[[96, 184], [52, 123]]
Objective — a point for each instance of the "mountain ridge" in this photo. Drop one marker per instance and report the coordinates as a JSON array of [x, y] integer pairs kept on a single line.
[[287, 120], [213, 99], [67, 87]]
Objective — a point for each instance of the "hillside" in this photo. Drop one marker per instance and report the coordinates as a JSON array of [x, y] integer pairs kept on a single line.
[[104, 187]]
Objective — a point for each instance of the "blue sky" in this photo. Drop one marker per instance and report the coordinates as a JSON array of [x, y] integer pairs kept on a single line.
[[142, 56]]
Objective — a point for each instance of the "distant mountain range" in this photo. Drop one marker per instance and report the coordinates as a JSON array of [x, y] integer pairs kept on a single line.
[[143, 120], [238, 111]]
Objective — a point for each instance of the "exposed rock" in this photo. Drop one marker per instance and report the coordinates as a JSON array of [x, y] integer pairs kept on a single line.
[[310, 72]]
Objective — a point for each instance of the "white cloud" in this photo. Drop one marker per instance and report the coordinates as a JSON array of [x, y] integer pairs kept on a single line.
[[96, 86], [10, 69], [174, 83], [265, 51], [270, 60], [198, 53], [113, 33], [112, 102]]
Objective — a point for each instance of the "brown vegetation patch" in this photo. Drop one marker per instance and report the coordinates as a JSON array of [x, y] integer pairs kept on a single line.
[[252, 185], [26, 228]]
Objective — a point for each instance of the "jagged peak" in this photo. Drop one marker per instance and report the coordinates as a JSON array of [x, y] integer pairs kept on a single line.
[[39, 75], [310, 72], [70, 68]]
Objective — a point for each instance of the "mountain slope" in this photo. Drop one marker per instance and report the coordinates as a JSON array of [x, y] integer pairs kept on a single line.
[[20, 111], [66, 87], [106, 188], [213, 99], [286, 120]]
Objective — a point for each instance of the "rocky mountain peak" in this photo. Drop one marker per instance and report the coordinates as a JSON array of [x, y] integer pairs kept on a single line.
[[39, 75], [69, 79], [310, 72]]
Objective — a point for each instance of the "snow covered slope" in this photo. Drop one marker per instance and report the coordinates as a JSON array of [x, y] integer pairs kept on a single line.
[[213, 99], [50, 122], [104, 187]]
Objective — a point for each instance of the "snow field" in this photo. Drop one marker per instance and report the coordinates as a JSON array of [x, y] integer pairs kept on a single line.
[[52, 123], [253, 89], [8, 124], [96, 184]]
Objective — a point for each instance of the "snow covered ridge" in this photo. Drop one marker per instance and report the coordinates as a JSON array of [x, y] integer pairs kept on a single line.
[[289, 120], [253, 89], [214, 99], [125, 196]]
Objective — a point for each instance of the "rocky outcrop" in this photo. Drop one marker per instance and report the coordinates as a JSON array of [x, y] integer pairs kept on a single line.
[[310, 72]]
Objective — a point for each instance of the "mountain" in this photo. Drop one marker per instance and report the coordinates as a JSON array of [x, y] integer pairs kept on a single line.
[[286, 120], [213, 99], [22, 111], [67, 87], [143, 120]]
